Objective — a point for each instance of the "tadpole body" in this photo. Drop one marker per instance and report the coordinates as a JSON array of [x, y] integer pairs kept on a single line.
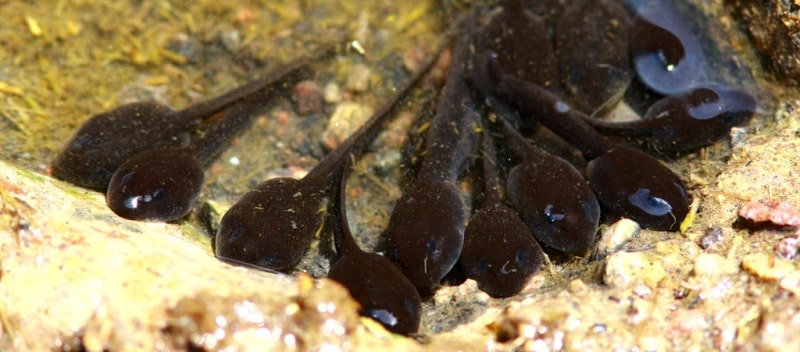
[[520, 40], [552, 197]]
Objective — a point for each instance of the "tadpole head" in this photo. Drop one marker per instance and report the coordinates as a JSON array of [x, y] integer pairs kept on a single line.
[[556, 203], [157, 185], [426, 232], [698, 117], [385, 294], [107, 140], [629, 183], [500, 253], [271, 226]]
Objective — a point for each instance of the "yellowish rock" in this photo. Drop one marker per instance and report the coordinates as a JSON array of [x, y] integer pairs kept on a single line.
[[624, 269], [767, 266], [710, 264]]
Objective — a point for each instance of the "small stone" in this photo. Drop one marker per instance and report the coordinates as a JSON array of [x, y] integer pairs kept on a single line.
[[787, 247], [332, 93], [767, 266], [642, 290], [710, 264], [615, 236], [624, 269], [577, 285], [358, 79], [345, 120], [308, 97], [738, 135], [185, 46], [388, 160], [713, 236], [791, 282], [231, 40]]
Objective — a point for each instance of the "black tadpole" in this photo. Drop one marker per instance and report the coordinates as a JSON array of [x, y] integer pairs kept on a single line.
[[426, 229], [500, 252], [272, 226], [109, 139], [384, 293], [161, 184]]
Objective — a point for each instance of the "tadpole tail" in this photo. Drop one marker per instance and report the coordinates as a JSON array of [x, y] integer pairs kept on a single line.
[[330, 168], [274, 80], [343, 238]]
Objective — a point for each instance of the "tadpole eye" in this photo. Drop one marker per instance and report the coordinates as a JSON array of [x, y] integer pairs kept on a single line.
[[83, 141], [159, 195], [126, 178], [235, 235], [523, 259], [267, 260], [483, 266]]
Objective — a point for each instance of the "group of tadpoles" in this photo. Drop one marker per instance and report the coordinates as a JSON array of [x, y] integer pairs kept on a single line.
[[150, 162]]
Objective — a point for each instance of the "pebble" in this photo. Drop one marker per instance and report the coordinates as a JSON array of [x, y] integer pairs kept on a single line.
[[787, 247], [231, 40], [358, 79], [332, 93], [345, 120], [767, 267], [624, 269], [307, 95], [712, 236], [615, 236], [791, 282], [710, 265]]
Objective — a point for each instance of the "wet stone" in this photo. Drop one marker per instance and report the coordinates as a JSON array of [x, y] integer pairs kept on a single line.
[[712, 236], [308, 97], [358, 79], [624, 269], [615, 236], [767, 266], [345, 120], [712, 265]]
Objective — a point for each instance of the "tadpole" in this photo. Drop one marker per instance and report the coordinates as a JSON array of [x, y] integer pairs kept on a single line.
[[592, 42], [385, 294], [500, 252], [426, 229]]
